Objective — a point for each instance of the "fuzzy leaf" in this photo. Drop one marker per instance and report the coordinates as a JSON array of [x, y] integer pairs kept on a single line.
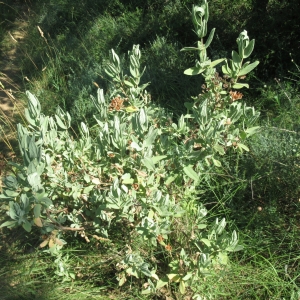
[[182, 287], [193, 71], [248, 68], [216, 62], [148, 163], [240, 85], [174, 277], [27, 226], [37, 210], [162, 282], [248, 50], [190, 49], [60, 122], [234, 249], [236, 58], [243, 147], [216, 162], [158, 158], [96, 181], [128, 83], [8, 224], [191, 173], [210, 38], [206, 242], [131, 109]]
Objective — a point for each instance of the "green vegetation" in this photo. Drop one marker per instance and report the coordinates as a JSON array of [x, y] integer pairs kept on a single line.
[[144, 172]]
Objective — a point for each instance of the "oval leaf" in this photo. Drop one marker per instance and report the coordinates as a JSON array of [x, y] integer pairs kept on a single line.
[[193, 71], [37, 210], [44, 243], [248, 50], [38, 222], [191, 173], [248, 69]]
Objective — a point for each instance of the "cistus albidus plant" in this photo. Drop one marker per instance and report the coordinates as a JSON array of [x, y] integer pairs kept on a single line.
[[138, 171]]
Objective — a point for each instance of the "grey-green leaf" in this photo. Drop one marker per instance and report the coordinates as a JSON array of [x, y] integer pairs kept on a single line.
[[37, 210], [248, 50], [193, 71], [248, 68], [210, 38], [191, 173]]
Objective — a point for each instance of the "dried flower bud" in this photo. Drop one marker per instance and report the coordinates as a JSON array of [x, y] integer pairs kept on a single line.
[[235, 95]]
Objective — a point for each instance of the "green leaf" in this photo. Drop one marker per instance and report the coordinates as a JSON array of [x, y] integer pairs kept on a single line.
[[87, 178], [147, 291], [191, 173], [248, 50], [122, 280], [158, 158], [252, 130], [10, 194], [11, 182], [148, 163], [131, 109], [236, 58], [234, 249], [216, 162], [126, 179], [60, 122], [162, 282], [135, 146], [223, 258], [210, 38], [14, 209], [193, 71], [201, 226], [150, 138], [226, 70], [243, 147], [37, 210], [190, 49], [27, 226], [46, 201], [170, 179], [188, 105], [248, 68], [206, 242], [9, 224], [187, 276], [128, 83], [216, 62], [240, 85], [219, 149], [174, 277], [182, 287]]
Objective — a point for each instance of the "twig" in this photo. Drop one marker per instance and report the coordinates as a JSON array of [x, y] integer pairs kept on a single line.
[[63, 228]]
